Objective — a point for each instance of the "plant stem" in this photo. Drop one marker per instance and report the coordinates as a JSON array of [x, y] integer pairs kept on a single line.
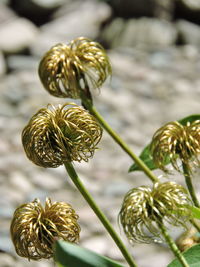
[[73, 175], [188, 181], [172, 245], [195, 224], [119, 141]]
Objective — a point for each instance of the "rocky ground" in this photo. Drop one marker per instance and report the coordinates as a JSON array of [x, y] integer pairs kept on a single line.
[[153, 82]]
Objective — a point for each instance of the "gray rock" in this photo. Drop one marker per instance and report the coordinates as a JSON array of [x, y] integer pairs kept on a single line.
[[6, 13], [21, 182], [192, 4], [46, 181], [189, 33], [34, 9], [80, 18], [2, 65], [116, 188], [164, 9], [17, 35], [144, 31], [96, 244], [19, 62], [48, 4], [137, 8], [5, 243]]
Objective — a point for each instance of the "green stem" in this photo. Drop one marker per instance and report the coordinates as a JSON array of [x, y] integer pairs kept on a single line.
[[195, 224], [73, 175], [188, 181], [119, 141], [172, 245]]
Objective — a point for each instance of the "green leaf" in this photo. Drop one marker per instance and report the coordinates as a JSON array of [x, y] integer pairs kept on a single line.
[[68, 255], [192, 256], [190, 119], [145, 156], [195, 211]]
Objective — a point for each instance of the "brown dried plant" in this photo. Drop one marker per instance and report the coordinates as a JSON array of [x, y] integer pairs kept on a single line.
[[66, 69], [34, 229], [144, 208], [63, 134], [174, 142]]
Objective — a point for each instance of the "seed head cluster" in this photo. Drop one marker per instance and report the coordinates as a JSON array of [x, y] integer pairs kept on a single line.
[[144, 208], [57, 135], [34, 229], [174, 142], [68, 68]]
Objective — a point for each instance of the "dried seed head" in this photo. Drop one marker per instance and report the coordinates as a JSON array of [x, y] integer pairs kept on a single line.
[[136, 215], [34, 229], [174, 142], [57, 135], [143, 208], [66, 69], [171, 200]]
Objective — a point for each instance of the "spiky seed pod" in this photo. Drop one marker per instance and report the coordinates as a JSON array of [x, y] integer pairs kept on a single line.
[[144, 208], [66, 69], [174, 142], [63, 134], [136, 215], [171, 200], [34, 229]]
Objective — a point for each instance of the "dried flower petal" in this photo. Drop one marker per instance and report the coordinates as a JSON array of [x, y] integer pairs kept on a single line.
[[174, 141], [66, 69], [57, 135], [34, 229], [143, 208]]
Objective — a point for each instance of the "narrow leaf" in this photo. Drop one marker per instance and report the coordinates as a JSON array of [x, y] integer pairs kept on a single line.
[[147, 159], [68, 255], [145, 155], [192, 256], [195, 212], [190, 119]]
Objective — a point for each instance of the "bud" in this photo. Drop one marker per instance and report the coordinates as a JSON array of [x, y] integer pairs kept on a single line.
[[66, 69], [34, 229], [144, 208], [174, 142], [63, 134]]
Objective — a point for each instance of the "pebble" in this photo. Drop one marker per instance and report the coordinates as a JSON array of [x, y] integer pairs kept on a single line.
[[46, 181], [150, 86], [2, 65], [79, 18], [193, 5], [20, 182], [11, 42], [142, 32], [189, 33]]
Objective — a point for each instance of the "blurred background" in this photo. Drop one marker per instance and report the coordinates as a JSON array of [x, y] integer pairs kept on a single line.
[[154, 48]]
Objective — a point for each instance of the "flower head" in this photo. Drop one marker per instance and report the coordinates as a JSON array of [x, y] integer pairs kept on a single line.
[[136, 214], [57, 135], [34, 229], [144, 208], [66, 69], [171, 200], [174, 142]]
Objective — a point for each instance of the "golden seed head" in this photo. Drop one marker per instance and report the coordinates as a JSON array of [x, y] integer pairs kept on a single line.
[[171, 200], [34, 229], [175, 142], [143, 208], [63, 134], [66, 69], [136, 215]]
